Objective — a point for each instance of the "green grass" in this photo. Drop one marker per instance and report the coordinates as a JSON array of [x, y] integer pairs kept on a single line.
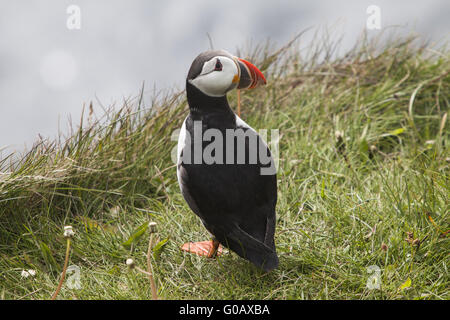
[[363, 161]]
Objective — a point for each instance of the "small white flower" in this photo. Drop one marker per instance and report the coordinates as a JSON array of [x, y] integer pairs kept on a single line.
[[32, 272], [28, 273], [68, 232], [338, 134], [130, 263], [115, 211], [152, 227]]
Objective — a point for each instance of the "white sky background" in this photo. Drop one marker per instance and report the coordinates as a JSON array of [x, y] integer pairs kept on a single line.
[[47, 71]]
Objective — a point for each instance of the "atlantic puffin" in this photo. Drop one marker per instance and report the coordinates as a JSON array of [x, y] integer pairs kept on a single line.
[[225, 170]]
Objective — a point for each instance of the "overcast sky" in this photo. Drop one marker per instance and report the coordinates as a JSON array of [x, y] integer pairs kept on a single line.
[[47, 71]]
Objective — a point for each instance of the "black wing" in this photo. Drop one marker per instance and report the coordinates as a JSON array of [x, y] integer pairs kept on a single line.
[[235, 202]]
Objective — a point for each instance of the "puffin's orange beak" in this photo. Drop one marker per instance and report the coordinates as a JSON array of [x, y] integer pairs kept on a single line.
[[250, 76]]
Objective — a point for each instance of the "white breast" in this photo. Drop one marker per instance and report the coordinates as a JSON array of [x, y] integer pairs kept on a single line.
[[242, 123], [180, 146]]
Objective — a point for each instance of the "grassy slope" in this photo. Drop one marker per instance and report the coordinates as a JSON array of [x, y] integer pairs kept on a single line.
[[362, 162]]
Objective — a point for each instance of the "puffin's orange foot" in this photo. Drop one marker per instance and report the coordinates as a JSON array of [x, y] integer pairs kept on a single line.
[[210, 248]]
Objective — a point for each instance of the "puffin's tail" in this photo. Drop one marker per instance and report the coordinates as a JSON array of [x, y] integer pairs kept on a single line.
[[251, 249]]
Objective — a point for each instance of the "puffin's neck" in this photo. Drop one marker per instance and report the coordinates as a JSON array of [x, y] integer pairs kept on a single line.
[[204, 107]]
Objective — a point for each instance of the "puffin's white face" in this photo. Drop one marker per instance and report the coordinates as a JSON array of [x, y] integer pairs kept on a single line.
[[218, 76]]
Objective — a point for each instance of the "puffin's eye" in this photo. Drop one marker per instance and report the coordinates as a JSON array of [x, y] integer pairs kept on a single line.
[[218, 66]]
